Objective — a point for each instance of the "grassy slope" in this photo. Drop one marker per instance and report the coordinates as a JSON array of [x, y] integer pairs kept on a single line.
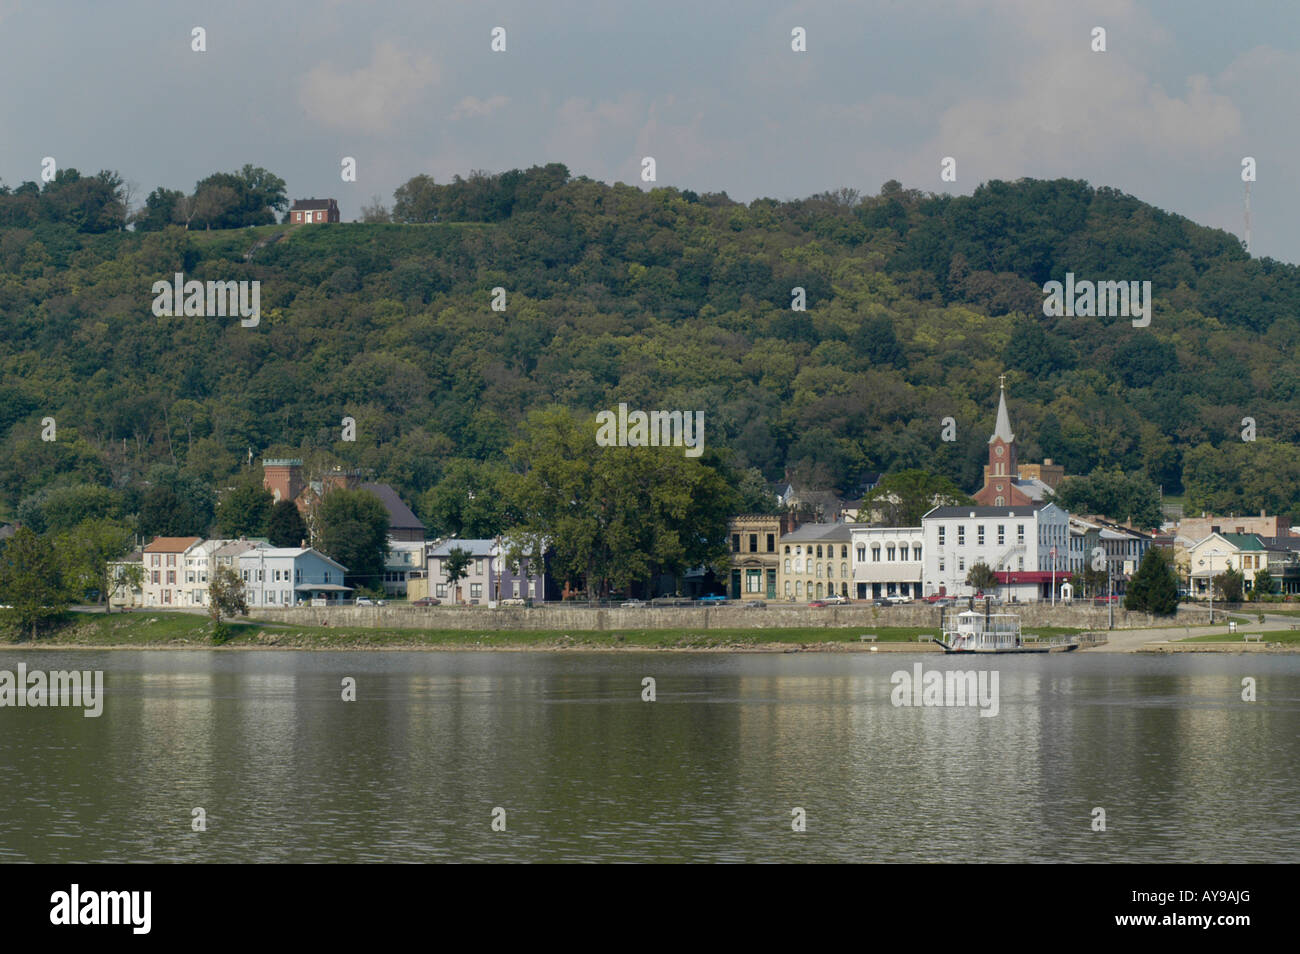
[[144, 630]]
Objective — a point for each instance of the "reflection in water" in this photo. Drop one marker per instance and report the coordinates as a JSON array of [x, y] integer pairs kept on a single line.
[[585, 770]]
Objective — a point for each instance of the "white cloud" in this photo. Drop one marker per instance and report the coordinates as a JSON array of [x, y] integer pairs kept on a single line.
[[471, 107], [371, 99]]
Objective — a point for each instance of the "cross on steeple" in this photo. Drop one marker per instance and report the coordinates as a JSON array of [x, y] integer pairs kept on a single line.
[[1002, 381]]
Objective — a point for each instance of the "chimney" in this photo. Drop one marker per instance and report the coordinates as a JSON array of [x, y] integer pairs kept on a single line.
[[302, 544]]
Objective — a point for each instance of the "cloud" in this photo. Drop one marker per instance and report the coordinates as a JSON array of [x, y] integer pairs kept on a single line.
[[371, 99], [471, 107]]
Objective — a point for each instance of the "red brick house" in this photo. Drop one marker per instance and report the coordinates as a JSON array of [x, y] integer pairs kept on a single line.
[[313, 210]]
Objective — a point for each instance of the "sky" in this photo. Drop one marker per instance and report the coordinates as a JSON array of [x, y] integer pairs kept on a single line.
[[712, 90]]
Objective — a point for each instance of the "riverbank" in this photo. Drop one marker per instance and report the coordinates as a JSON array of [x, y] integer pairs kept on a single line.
[[143, 630]]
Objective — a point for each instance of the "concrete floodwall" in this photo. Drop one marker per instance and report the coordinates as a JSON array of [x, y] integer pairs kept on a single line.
[[774, 616]]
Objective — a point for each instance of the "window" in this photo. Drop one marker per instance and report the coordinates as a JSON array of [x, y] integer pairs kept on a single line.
[[916, 553], [171, 559], [979, 535], [798, 588], [889, 550], [941, 564], [1022, 563], [830, 569], [156, 574], [787, 588], [844, 569], [514, 589], [284, 597], [819, 551], [961, 564], [478, 566], [941, 534], [1002, 534], [1020, 533], [844, 551], [171, 576], [476, 591], [155, 560], [787, 548], [787, 564], [1000, 502], [771, 543], [819, 570], [961, 536], [875, 553], [798, 564], [753, 543], [862, 554], [735, 543], [270, 596]]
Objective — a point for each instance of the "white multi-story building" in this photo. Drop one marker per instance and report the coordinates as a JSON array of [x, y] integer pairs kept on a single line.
[[1021, 544], [281, 576], [887, 561]]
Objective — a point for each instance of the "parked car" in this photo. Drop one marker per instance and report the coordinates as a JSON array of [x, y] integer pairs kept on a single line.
[[1103, 600], [938, 598], [837, 600], [515, 601], [881, 601], [755, 604], [895, 599], [817, 604], [713, 598], [631, 603], [367, 601], [427, 601]]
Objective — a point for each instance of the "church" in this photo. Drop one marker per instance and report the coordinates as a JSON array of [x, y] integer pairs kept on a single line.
[[1007, 483]]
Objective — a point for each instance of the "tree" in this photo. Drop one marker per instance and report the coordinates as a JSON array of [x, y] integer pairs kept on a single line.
[[126, 578], [159, 210], [1154, 587], [1111, 493], [1262, 585], [285, 526], [354, 531], [471, 501], [226, 594], [903, 498], [456, 567], [1228, 586], [982, 577], [87, 552], [245, 511], [375, 212], [31, 580]]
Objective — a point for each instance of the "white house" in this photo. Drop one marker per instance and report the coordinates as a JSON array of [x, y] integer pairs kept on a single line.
[[280, 576], [887, 561], [1023, 545]]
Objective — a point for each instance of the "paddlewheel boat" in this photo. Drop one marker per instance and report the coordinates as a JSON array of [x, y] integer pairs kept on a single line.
[[976, 632]]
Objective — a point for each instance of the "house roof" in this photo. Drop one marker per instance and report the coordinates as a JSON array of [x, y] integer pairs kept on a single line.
[[472, 547], [820, 532], [313, 204], [292, 553], [1243, 541], [171, 544], [236, 547], [939, 512], [400, 516]]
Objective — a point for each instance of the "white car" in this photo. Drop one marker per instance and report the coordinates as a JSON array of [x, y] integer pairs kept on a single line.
[[838, 600], [896, 599]]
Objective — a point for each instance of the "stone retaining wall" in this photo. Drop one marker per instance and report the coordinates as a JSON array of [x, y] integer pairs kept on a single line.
[[774, 616]]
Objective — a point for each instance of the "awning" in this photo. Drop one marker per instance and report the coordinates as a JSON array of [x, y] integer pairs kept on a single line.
[[321, 588]]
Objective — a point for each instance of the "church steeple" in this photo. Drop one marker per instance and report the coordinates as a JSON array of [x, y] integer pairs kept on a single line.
[[1002, 429], [1000, 472]]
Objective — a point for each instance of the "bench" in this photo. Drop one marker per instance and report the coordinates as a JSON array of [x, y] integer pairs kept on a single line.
[[925, 639], [867, 638], [1257, 637]]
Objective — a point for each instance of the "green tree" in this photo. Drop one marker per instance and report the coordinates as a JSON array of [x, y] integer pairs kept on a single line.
[[903, 498], [1229, 585], [226, 594], [159, 210], [456, 567], [87, 552], [285, 526], [245, 511], [471, 501], [1154, 586], [354, 531], [1262, 586], [1114, 494], [31, 581], [982, 577]]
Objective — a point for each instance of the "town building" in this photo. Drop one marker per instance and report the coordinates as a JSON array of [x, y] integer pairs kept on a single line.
[[816, 562], [313, 210], [284, 576], [164, 569], [125, 594], [887, 561], [1027, 547], [489, 577], [755, 555], [1198, 528]]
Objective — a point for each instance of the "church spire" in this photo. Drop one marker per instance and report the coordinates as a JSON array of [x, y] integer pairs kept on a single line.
[[1002, 430]]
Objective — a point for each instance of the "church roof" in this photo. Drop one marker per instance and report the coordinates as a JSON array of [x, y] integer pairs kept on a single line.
[[1002, 429]]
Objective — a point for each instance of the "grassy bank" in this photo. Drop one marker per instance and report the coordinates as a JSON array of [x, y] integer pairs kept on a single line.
[[1288, 637], [142, 630]]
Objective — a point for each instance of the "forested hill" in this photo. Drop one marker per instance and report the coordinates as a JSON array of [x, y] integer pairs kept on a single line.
[[662, 299]]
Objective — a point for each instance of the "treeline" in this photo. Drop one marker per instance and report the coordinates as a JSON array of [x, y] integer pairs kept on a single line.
[[663, 299]]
